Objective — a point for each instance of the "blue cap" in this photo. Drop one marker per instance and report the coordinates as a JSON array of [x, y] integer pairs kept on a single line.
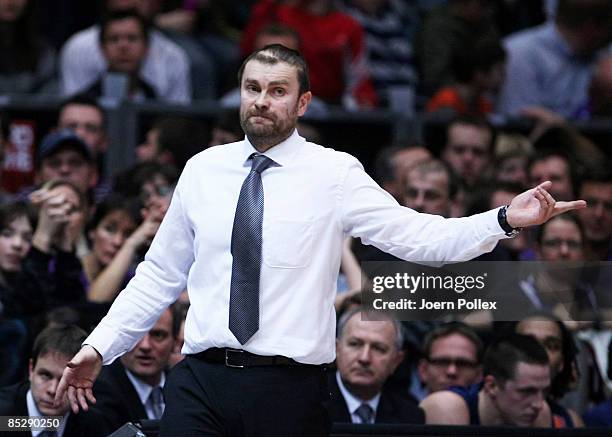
[[55, 141]]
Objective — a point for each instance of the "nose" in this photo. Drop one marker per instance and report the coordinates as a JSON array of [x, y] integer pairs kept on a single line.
[[52, 387], [364, 355], [145, 343], [262, 101], [17, 242], [451, 370], [564, 249], [599, 210], [419, 200], [118, 239], [538, 401]]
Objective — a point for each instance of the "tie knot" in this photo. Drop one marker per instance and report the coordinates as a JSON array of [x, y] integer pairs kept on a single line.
[[156, 396], [365, 413], [260, 163]]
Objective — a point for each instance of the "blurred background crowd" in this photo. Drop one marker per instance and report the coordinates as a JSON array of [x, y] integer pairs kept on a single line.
[[482, 99]]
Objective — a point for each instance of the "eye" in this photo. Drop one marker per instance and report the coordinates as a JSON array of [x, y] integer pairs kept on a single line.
[[279, 92]]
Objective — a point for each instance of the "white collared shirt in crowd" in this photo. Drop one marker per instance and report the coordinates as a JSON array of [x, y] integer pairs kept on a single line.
[[144, 391]]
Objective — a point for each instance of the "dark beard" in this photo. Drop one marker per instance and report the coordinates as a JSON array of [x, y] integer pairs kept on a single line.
[[269, 136]]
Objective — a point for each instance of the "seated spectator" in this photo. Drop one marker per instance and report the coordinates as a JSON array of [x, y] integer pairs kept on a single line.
[[64, 156], [557, 286], [52, 350], [448, 31], [124, 40], [430, 188], [172, 141], [116, 238], [452, 355], [19, 295], [557, 340], [479, 74], [332, 44], [27, 62], [389, 27], [554, 166], [511, 167], [152, 182], [130, 389], [469, 149], [87, 119], [367, 353], [550, 66], [392, 163], [165, 67], [596, 189], [516, 379]]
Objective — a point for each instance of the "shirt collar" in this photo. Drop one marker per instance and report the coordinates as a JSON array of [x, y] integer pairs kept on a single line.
[[353, 402], [142, 388], [282, 153], [33, 411]]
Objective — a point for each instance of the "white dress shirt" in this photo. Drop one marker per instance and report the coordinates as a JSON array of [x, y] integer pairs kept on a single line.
[[353, 403], [33, 411], [165, 67], [144, 391], [313, 199]]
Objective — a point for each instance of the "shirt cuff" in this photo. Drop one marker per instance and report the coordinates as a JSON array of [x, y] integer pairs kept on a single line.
[[104, 339]]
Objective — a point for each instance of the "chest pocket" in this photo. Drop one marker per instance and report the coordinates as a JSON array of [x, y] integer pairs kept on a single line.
[[287, 243]]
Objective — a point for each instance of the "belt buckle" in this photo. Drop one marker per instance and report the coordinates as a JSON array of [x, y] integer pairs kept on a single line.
[[227, 358]]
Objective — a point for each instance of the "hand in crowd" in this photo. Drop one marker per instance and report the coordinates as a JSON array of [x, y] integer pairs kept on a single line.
[[145, 232], [536, 206], [78, 379], [60, 218]]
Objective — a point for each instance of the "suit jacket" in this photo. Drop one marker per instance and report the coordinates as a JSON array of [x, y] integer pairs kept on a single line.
[[13, 402], [117, 399], [394, 406]]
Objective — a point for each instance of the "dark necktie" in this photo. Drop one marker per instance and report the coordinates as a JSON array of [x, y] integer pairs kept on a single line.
[[246, 253], [156, 401], [365, 413]]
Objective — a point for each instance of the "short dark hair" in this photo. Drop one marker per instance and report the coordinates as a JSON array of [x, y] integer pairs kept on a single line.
[[62, 339], [85, 100], [504, 355], [474, 121], [449, 329], [119, 15], [9, 212], [275, 53]]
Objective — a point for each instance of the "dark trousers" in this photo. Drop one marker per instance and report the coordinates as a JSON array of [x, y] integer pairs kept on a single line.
[[207, 399]]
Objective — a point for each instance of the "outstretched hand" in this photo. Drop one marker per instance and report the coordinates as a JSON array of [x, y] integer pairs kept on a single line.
[[536, 206], [78, 379]]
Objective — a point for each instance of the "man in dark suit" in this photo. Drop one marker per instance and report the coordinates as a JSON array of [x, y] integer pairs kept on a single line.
[[53, 348], [130, 389], [368, 352]]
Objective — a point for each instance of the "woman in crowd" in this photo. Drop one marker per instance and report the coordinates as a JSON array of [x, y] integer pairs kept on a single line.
[[115, 237]]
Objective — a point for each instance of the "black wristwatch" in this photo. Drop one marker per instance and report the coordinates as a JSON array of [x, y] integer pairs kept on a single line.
[[503, 222]]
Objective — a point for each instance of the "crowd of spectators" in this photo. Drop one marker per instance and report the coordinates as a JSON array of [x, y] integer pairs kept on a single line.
[[72, 234]]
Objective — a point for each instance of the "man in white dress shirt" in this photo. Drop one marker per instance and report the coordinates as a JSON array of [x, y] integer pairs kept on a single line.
[[270, 382]]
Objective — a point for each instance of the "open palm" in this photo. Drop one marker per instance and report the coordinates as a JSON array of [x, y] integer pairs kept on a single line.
[[78, 379], [536, 206]]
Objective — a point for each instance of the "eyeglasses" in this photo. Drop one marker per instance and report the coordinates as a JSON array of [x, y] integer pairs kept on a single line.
[[459, 363], [158, 190], [555, 243]]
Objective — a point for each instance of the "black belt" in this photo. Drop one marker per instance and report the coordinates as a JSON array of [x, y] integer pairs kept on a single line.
[[239, 358]]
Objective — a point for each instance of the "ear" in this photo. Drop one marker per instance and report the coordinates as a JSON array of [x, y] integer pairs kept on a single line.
[[422, 369], [303, 103], [490, 385]]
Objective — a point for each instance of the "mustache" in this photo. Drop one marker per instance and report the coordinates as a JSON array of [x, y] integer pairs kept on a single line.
[[256, 113]]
